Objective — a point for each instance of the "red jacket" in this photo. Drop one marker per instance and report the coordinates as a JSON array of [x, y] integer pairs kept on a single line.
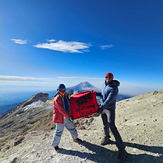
[[59, 109]]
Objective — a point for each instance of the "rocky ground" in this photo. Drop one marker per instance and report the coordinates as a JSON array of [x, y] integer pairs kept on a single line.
[[139, 121]]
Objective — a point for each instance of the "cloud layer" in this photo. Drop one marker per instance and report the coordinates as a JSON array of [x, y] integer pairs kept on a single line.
[[75, 77], [63, 46], [19, 41], [3, 77]]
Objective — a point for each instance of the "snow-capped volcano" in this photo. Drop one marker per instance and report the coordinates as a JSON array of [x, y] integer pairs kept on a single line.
[[83, 86]]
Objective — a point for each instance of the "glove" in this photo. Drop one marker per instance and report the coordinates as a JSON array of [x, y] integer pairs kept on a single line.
[[99, 110], [71, 118]]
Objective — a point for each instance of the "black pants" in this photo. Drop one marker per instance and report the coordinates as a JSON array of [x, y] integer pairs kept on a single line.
[[108, 118]]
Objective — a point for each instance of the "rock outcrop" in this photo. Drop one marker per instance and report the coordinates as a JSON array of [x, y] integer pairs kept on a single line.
[[39, 96], [27, 115]]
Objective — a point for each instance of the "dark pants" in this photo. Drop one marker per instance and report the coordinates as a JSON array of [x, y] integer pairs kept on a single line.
[[108, 118]]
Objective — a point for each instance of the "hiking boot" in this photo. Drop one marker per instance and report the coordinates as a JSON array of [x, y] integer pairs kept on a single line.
[[77, 140], [57, 149], [122, 154], [105, 140]]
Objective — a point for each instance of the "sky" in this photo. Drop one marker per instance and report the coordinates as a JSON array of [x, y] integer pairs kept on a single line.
[[47, 42]]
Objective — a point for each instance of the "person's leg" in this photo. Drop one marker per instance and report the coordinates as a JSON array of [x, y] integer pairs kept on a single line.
[[113, 128], [71, 128], [119, 143], [106, 138], [57, 134], [105, 124]]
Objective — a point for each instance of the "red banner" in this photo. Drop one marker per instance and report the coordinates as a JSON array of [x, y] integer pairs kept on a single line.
[[83, 104]]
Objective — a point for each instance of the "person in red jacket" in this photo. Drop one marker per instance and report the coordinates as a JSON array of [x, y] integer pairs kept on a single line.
[[62, 117]]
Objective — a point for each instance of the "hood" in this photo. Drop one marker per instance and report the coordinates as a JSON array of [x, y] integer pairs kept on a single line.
[[113, 83]]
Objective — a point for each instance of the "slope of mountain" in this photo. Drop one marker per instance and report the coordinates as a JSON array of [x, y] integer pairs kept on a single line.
[[139, 121], [25, 116]]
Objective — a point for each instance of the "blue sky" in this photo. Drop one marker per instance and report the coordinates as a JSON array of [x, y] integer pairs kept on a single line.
[[44, 43]]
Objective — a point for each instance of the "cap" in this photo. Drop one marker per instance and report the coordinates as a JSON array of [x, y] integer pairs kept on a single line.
[[109, 74], [61, 86]]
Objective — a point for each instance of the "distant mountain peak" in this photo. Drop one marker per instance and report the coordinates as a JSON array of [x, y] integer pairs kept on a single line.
[[83, 86], [86, 84]]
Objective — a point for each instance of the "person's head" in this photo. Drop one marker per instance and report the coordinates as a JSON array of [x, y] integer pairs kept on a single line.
[[109, 77], [62, 89]]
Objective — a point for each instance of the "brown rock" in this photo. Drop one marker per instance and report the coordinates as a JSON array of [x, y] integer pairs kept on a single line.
[[18, 140]]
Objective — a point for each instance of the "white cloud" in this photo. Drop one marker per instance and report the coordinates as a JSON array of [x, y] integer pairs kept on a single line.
[[106, 46], [51, 40], [63, 46], [3, 77], [75, 77], [9, 84], [19, 41]]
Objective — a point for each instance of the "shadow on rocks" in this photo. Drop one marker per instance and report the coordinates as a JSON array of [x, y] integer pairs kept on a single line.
[[103, 155], [96, 153], [14, 160], [155, 155]]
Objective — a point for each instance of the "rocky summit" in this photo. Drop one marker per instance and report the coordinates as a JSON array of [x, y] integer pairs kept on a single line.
[[24, 117], [26, 133]]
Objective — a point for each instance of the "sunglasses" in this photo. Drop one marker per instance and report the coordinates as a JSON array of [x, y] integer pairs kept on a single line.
[[108, 77], [62, 89]]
